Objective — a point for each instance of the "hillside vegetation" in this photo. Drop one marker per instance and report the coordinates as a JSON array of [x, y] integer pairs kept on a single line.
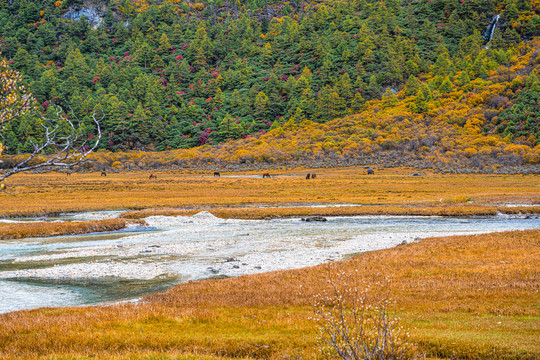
[[413, 82]]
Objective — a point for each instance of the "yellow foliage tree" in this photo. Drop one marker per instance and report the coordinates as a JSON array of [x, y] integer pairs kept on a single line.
[[14, 98]]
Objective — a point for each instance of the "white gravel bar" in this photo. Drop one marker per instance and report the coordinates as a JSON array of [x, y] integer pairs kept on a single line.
[[203, 246]]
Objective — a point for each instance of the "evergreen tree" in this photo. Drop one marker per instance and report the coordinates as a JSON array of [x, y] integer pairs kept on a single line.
[[446, 86]]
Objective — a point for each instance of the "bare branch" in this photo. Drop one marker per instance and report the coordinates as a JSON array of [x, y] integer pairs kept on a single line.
[[70, 149]]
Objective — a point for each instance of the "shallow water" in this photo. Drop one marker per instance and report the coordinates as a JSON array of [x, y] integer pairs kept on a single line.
[[84, 216], [89, 269]]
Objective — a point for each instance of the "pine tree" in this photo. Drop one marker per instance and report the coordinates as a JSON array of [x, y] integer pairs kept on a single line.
[[157, 62], [139, 126], [298, 116], [358, 103], [229, 128], [344, 88], [463, 79], [261, 105], [121, 124], [266, 54], [420, 104], [446, 86], [144, 54], [164, 45], [329, 105], [373, 90], [218, 99], [235, 100], [412, 86], [511, 37]]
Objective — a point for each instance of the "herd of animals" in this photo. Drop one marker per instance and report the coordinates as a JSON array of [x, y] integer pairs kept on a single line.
[[264, 175], [153, 176], [216, 174]]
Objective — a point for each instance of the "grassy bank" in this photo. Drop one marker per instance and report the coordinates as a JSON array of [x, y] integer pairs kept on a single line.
[[40, 194], [42, 229], [461, 297], [275, 212]]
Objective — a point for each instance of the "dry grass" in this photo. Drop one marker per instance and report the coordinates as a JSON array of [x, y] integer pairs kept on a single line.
[[54, 192], [466, 296], [41, 229], [276, 212]]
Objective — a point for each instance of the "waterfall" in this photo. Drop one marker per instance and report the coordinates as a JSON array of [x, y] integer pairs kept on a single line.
[[491, 28]]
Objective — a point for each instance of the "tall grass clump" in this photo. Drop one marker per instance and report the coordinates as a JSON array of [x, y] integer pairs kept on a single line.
[[354, 324]]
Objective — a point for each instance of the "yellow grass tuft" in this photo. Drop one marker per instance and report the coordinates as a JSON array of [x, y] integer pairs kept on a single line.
[[43, 229]]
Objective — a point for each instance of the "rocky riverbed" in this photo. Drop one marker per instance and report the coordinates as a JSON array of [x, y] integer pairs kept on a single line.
[[203, 246]]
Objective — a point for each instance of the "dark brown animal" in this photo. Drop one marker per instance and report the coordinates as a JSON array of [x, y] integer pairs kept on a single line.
[[68, 173], [370, 171], [103, 173], [313, 176], [216, 173], [266, 175], [153, 176], [308, 176]]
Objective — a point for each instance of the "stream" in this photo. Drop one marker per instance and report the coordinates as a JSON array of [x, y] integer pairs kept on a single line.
[[122, 265]]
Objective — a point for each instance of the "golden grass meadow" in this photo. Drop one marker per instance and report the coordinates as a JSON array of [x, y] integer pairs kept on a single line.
[[460, 297], [39, 194]]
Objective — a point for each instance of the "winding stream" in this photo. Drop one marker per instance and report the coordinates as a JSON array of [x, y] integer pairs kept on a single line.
[[100, 268]]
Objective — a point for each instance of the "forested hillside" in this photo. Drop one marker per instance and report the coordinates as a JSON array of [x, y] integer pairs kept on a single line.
[[176, 74]]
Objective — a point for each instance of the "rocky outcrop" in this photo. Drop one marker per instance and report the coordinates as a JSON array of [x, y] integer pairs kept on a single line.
[[93, 13], [314, 218]]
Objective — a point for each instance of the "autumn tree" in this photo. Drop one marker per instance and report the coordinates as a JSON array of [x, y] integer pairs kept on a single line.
[[14, 98]]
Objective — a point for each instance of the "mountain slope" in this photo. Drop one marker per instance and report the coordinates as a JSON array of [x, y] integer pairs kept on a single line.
[[179, 74]]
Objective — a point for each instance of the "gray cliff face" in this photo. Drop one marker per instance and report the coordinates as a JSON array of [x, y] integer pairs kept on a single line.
[[93, 13]]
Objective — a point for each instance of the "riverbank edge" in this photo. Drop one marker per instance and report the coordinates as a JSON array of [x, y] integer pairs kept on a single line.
[[20, 230]]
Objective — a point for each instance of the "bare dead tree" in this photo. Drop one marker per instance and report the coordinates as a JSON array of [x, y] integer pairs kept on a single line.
[[68, 144]]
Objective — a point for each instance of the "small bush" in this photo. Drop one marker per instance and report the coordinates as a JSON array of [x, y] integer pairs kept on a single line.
[[355, 325]]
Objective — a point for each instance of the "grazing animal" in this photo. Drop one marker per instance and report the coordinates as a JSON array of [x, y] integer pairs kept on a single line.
[[153, 176], [313, 176], [68, 173], [103, 173], [216, 173], [370, 171], [266, 175], [307, 176]]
